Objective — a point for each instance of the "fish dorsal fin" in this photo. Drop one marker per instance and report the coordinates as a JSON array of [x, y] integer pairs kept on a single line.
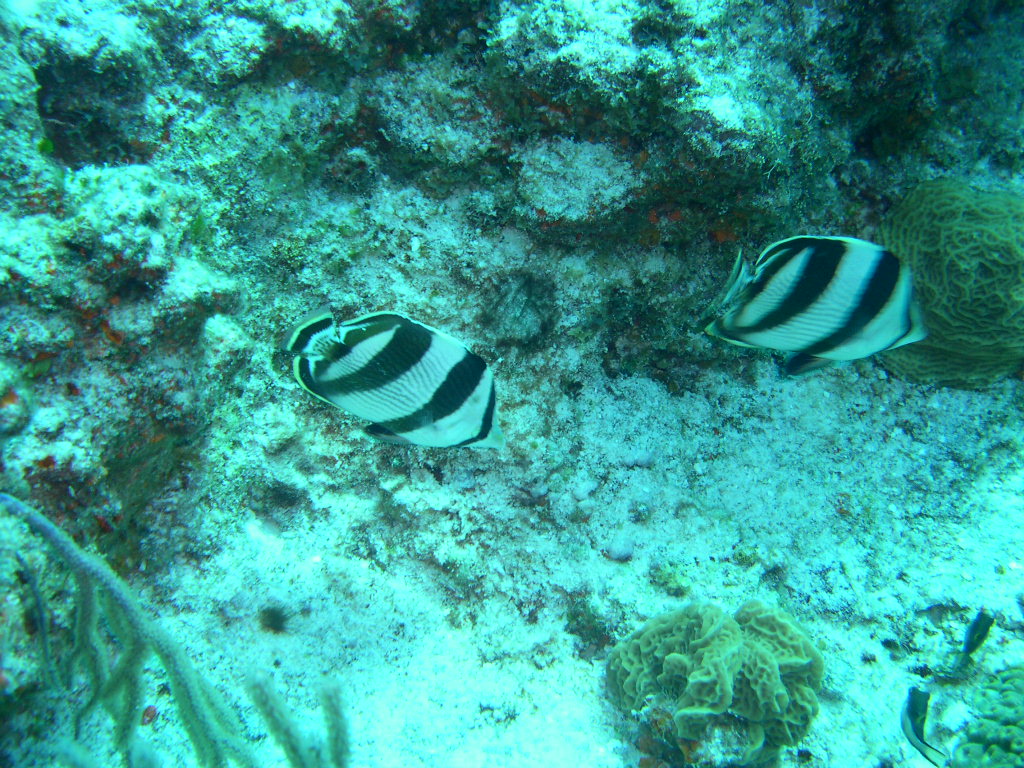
[[738, 278]]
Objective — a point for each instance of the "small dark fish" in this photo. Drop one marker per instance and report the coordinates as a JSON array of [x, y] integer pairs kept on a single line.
[[977, 632], [912, 719], [975, 635], [822, 299]]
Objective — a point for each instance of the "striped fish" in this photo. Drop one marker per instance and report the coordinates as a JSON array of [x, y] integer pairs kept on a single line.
[[823, 299], [418, 385]]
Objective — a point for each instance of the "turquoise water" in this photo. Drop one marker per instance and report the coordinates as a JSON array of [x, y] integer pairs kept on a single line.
[[562, 188]]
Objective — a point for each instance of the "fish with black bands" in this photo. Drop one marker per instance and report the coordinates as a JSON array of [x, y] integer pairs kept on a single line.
[[416, 384], [822, 299], [912, 720]]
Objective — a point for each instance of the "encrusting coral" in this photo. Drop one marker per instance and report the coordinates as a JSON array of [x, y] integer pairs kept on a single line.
[[996, 737], [966, 250]]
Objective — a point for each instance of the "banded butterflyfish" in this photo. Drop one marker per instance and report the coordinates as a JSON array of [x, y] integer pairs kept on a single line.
[[822, 299], [416, 384]]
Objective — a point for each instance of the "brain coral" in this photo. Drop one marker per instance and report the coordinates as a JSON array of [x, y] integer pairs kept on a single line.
[[965, 248], [728, 690], [996, 737]]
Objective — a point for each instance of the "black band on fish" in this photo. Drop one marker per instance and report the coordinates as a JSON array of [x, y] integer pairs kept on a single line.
[[461, 381], [812, 282], [487, 422], [912, 720], [407, 346], [876, 295]]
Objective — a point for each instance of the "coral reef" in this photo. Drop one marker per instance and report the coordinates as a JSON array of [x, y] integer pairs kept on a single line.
[[730, 690], [564, 185], [995, 737], [965, 248], [709, 125]]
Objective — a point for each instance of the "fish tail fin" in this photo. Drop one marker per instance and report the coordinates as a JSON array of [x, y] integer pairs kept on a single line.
[[305, 337], [302, 368], [714, 328], [918, 330]]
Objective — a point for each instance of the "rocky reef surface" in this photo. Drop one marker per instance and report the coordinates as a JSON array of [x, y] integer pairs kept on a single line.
[[564, 186]]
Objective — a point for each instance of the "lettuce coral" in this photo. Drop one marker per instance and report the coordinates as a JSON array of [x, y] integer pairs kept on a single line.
[[731, 689]]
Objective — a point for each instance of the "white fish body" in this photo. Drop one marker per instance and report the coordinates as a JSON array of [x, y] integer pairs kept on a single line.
[[416, 384], [823, 299]]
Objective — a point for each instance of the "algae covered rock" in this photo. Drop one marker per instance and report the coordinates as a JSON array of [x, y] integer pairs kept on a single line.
[[996, 737], [966, 250], [728, 690], [565, 188]]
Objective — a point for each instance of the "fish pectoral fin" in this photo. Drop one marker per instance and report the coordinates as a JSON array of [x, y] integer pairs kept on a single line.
[[717, 329], [385, 435], [800, 364]]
